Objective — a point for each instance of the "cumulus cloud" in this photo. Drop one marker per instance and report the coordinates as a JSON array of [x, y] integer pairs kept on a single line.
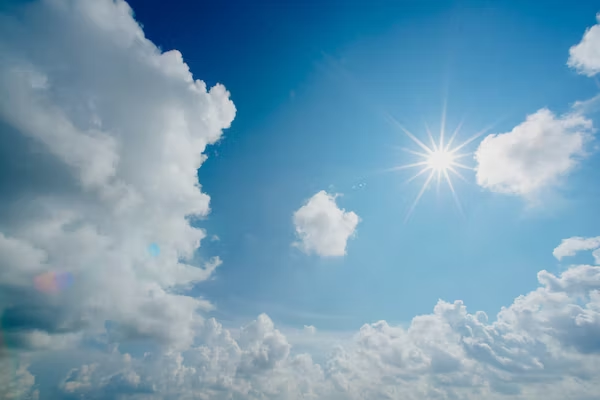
[[571, 246], [256, 363], [534, 155], [16, 382], [544, 345], [112, 131], [322, 227], [585, 56]]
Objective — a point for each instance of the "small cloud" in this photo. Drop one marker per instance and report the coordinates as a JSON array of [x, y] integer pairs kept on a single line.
[[571, 246], [311, 330], [534, 155], [212, 264], [322, 227], [588, 106], [215, 238], [584, 57]]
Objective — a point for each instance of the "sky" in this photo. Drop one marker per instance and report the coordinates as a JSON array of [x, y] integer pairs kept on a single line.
[[234, 200]]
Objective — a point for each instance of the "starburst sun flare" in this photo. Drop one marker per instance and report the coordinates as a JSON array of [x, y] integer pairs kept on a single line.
[[439, 160]]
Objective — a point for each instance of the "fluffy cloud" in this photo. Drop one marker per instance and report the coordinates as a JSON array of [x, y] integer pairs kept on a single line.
[[322, 227], [255, 364], [106, 135], [544, 345], [16, 382], [585, 56], [571, 246], [534, 155]]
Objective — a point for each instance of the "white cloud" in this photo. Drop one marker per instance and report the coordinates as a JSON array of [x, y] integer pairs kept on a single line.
[[322, 227], [119, 127], [544, 345], [571, 246], [585, 56], [16, 382], [311, 330], [534, 156]]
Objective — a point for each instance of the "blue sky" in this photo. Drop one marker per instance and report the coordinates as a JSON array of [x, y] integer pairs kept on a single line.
[[196, 200], [308, 82]]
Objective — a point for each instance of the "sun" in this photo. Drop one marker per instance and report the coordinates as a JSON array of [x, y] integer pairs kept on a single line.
[[438, 161]]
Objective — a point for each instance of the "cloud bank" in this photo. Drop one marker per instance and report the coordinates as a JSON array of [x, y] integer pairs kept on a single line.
[[322, 227], [544, 345]]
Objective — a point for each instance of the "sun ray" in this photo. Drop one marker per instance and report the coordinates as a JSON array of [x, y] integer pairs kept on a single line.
[[433, 145], [415, 176], [443, 123], [459, 165], [410, 135], [406, 166], [453, 191], [460, 176], [417, 153], [454, 135], [414, 204], [462, 155], [469, 140]]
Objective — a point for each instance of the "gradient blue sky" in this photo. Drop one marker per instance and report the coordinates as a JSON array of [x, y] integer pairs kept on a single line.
[[313, 281], [309, 81]]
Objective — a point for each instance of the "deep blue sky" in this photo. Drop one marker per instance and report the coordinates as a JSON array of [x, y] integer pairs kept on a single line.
[[308, 80]]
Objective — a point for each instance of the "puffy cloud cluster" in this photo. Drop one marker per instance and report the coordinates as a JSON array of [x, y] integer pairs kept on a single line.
[[16, 382], [544, 345], [534, 155], [585, 56], [106, 134], [255, 364], [322, 227]]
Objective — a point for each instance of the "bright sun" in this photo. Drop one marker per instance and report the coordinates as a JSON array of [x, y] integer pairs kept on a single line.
[[438, 160]]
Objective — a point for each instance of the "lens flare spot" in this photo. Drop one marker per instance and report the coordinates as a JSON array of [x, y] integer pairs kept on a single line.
[[53, 281], [154, 250]]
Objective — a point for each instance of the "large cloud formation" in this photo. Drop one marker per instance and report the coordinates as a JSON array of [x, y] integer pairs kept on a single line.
[[544, 345], [106, 134], [322, 227]]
